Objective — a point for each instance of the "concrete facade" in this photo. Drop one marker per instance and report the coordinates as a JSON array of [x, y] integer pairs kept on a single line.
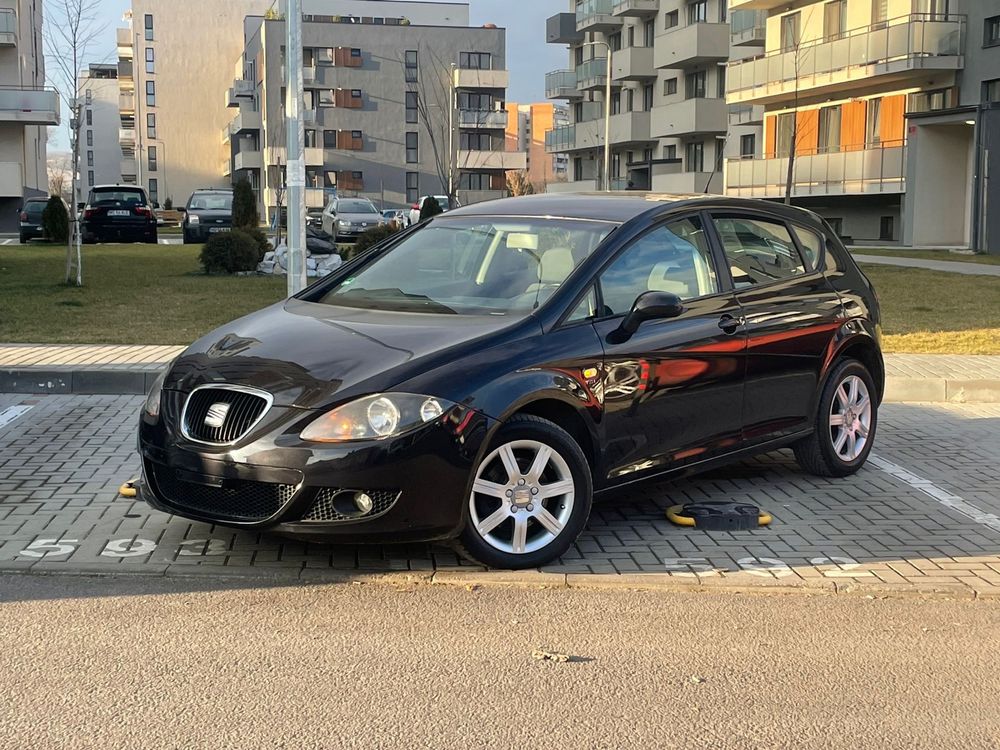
[[26, 108], [100, 151]]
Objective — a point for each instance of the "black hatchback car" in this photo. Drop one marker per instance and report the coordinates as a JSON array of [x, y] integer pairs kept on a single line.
[[207, 212], [481, 376], [30, 220], [118, 213]]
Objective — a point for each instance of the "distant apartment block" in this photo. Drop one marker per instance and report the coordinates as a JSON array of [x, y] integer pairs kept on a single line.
[[26, 108], [891, 109], [527, 125], [376, 104], [100, 151]]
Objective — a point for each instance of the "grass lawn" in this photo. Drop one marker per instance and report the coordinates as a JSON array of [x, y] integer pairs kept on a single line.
[[132, 294], [157, 294], [990, 260], [927, 312]]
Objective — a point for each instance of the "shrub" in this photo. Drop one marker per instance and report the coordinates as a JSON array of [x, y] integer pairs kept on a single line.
[[168, 204], [259, 237], [230, 252], [372, 237], [55, 220], [245, 214], [430, 208]]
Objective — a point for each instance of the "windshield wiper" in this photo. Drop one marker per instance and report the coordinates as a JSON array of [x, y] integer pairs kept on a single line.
[[419, 302]]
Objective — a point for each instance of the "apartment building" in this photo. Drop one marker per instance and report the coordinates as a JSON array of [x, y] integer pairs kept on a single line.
[[669, 116], [26, 108], [100, 152], [888, 111], [527, 125], [381, 92]]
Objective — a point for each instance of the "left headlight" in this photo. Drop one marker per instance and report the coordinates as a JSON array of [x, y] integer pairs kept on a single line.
[[343, 223], [374, 417]]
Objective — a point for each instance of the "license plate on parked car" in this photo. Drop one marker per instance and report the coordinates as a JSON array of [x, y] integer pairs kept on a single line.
[[217, 229], [118, 213]]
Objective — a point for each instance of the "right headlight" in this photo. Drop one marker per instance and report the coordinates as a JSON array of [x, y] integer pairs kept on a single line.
[[375, 417]]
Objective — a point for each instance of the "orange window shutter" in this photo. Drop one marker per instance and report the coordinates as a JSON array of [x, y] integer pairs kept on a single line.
[[852, 128], [893, 119], [770, 137], [807, 132]]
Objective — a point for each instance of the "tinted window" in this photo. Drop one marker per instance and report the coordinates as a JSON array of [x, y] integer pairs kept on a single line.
[[812, 244], [35, 208], [212, 201], [671, 258], [355, 207], [759, 251], [116, 196]]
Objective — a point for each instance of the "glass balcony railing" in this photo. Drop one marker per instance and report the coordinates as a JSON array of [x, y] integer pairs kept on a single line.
[[8, 21], [560, 83], [562, 138], [590, 10], [592, 71]]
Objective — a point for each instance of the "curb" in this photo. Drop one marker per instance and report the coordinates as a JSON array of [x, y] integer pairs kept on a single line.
[[137, 382], [530, 579]]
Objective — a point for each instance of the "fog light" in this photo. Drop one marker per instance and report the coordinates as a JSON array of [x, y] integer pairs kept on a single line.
[[363, 502]]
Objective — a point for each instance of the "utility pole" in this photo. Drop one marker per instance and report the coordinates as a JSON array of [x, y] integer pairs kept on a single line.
[[607, 112], [295, 165], [451, 132]]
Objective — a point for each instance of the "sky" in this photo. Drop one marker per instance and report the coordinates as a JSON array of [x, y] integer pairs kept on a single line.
[[528, 56]]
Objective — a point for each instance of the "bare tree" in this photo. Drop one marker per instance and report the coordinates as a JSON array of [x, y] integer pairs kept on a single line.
[[797, 59], [60, 173], [276, 174], [435, 92], [519, 184], [71, 33]]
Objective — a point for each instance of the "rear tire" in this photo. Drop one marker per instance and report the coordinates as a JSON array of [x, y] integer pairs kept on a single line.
[[24, 239], [531, 497], [845, 423]]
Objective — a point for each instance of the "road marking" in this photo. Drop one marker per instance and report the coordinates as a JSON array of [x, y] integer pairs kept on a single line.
[[7, 242], [11, 413], [945, 498]]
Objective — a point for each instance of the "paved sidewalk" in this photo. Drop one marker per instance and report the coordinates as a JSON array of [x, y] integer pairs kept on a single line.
[[129, 370], [949, 266]]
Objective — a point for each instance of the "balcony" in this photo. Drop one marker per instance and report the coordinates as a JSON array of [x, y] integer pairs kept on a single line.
[[746, 114], [633, 64], [249, 159], [691, 117], [124, 40], [124, 70], [892, 52], [636, 8], [314, 156], [246, 121], [487, 119], [240, 92], [505, 160], [736, 5], [128, 167], [309, 74], [126, 137], [226, 167], [468, 197], [577, 186], [670, 178], [561, 84], [694, 44], [561, 29], [474, 78], [29, 106], [315, 197], [8, 28], [863, 172], [591, 75], [749, 27], [562, 138], [627, 128], [126, 102], [597, 15]]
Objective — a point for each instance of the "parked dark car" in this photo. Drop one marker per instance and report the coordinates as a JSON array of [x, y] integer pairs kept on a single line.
[[207, 212], [480, 377], [118, 213], [31, 219]]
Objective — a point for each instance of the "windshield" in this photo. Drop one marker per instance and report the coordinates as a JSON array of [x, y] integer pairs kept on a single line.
[[116, 197], [472, 266], [355, 207], [212, 201]]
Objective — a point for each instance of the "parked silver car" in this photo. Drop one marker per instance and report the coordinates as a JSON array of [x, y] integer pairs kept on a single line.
[[344, 219]]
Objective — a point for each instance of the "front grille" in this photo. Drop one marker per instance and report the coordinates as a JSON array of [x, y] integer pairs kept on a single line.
[[236, 501], [323, 507], [240, 411]]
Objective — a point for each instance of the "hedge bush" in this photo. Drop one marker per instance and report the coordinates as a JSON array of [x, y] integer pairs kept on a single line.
[[55, 220], [230, 252], [245, 214], [373, 236], [259, 236]]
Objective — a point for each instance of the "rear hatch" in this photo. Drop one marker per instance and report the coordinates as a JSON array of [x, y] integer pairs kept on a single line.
[[31, 214], [118, 208]]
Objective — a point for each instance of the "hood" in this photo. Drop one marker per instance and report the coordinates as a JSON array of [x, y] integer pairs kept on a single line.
[[310, 355]]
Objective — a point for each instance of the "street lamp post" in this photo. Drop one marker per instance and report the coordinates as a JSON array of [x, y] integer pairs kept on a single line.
[[607, 114]]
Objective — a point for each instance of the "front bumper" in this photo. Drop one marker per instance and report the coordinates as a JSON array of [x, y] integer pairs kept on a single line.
[[418, 481], [202, 232]]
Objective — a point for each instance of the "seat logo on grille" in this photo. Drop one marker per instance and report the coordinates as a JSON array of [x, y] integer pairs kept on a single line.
[[216, 416]]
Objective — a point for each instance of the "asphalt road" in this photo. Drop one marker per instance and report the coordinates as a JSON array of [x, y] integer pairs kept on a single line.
[[154, 663]]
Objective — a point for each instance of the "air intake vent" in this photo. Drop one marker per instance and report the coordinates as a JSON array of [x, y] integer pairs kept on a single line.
[[221, 415]]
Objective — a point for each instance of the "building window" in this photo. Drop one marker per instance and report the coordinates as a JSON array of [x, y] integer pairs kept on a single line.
[[616, 103], [149, 27], [154, 191], [829, 130], [671, 19], [411, 106], [834, 19], [410, 65], [475, 181], [670, 152], [648, 32], [991, 90], [748, 146], [720, 83], [412, 157], [150, 93], [150, 62], [475, 60], [90, 96], [694, 85], [698, 11], [151, 158], [785, 135], [991, 36], [481, 102], [151, 125], [475, 142], [873, 122], [887, 228], [932, 101], [412, 187], [90, 177], [90, 117], [791, 30], [880, 13], [90, 138], [90, 158], [647, 97], [695, 157], [670, 87]]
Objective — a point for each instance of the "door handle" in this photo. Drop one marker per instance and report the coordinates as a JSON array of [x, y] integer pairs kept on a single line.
[[729, 324]]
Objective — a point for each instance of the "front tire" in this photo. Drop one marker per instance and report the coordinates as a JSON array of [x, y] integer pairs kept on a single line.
[[846, 421], [530, 498]]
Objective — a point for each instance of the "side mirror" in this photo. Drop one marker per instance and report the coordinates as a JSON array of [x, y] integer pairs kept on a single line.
[[647, 306], [183, 209]]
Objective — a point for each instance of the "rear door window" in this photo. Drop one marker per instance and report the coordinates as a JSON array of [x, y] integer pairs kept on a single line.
[[759, 251], [117, 198]]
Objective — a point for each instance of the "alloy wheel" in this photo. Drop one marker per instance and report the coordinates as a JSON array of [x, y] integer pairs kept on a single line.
[[522, 497], [850, 418]]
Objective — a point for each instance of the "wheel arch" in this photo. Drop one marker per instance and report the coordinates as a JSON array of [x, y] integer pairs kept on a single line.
[[864, 349]]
